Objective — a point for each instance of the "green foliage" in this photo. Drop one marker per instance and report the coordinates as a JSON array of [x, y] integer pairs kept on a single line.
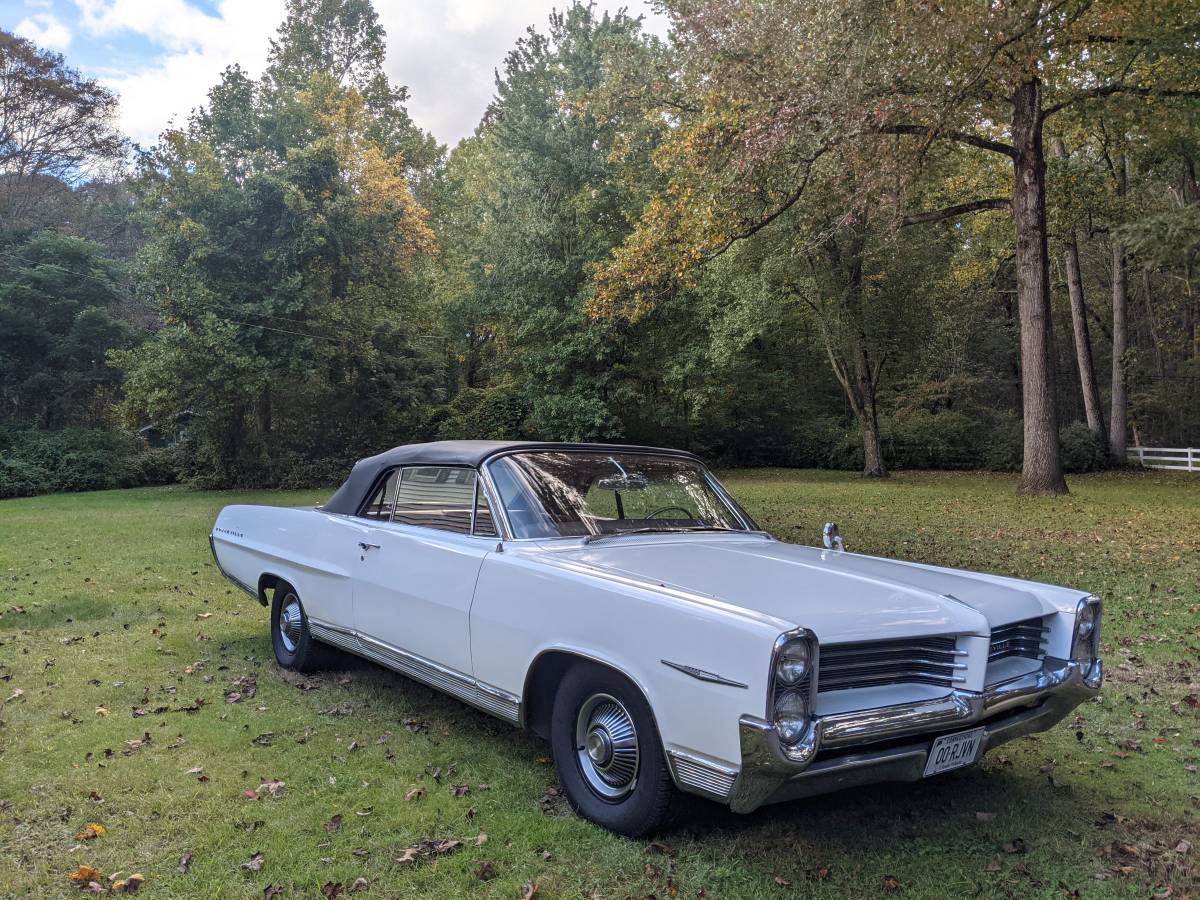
[[58, 316], [33, 461]]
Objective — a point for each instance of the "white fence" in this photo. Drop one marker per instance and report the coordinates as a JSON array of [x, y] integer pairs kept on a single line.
[[1180, 459]]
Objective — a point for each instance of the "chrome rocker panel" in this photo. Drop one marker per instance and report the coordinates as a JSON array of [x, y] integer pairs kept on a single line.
[[1024, 705]]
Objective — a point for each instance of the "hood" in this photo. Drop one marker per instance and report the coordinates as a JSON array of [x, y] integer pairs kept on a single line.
[[840, 596]]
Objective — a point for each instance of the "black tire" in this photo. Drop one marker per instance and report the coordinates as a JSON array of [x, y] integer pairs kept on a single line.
[[299, 651], [636, 805]]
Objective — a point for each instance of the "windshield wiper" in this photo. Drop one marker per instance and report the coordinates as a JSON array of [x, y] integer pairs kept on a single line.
[[591, 538]]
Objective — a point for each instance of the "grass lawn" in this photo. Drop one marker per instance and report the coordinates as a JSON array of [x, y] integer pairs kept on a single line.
[[119, 641]]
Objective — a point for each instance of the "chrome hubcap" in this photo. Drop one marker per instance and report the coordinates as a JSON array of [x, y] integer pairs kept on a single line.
[[290, 622], [607, 746]]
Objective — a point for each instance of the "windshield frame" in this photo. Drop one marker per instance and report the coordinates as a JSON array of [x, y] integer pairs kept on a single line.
[[743, 518]]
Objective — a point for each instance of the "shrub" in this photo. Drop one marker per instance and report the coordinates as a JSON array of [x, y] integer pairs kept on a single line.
[[1081, 450], [77, 459]]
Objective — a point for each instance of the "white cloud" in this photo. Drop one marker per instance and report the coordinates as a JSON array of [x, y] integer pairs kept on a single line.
[[196, 49], [446, 52], [45, 30]]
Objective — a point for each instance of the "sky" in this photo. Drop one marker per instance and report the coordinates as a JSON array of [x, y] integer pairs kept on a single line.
[[162, 56]]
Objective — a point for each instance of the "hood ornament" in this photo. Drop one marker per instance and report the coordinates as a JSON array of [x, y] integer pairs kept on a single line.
[[832, 538]]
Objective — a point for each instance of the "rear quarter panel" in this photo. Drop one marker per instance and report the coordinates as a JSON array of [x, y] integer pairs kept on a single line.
[[309, 549], [527, 603]]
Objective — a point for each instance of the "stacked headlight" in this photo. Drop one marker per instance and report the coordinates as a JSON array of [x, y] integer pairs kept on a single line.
[[792, 676], [1086, 644]]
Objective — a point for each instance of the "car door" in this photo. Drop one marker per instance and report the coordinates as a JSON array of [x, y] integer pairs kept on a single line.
[[417, 571]]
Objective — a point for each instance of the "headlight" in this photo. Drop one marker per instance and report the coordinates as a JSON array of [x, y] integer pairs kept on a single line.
[[791, 716], [795, 661], [1086, 644]]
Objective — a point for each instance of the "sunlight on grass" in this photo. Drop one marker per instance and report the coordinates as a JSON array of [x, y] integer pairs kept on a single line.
[[119, 641]]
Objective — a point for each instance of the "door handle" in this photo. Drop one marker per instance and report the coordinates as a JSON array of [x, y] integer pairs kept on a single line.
[[365, 546]]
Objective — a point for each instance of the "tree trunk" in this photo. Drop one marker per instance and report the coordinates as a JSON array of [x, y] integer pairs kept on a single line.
[[1088, 382], [1118, 421], [1041, 471]]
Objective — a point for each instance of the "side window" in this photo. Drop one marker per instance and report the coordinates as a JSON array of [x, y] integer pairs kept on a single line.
[[380, 504], [436, 497], [485, 525]]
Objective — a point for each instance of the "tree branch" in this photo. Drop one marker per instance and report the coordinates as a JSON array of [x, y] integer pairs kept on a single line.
[[960, 209], [973, 140], [1108, 90]]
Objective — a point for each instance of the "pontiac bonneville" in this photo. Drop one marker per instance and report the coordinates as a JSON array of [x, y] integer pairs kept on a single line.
[[618, 602]]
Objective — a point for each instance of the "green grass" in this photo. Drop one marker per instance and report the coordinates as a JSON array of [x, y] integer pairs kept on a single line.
[[123, 609]]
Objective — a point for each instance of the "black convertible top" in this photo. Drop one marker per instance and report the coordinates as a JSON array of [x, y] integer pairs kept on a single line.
[[351, 494]]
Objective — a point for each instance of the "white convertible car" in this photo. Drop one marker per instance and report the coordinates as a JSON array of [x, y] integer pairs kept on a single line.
[[617, 602]]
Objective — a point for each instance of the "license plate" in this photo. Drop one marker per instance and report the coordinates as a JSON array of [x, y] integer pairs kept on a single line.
[[952, 751]]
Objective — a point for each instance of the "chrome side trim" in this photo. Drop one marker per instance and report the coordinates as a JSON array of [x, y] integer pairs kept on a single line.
[[699, 775], [703, 675], [490, 699], [212, 545]]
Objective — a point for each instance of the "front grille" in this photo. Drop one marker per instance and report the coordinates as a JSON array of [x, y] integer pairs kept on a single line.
[[921, 660], [1022, 638]]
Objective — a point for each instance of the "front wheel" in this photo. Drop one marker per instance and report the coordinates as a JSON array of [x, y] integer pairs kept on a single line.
[[608, 753]]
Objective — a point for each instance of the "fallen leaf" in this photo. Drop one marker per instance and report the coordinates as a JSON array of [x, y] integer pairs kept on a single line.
[[1183, 847], [185, 862], [270, 892], [334, 824], [130, 885], [331, 889], [91, 831], [17, 694], [486, 870], [528, 890], [101, 711], [428, 849], [781, 881], [85, 874], [891, 883], [483, 838], [274, 788], [250, 795], [415, 793], [360, 884], [460, 790], [1016, 845], [254, 864]]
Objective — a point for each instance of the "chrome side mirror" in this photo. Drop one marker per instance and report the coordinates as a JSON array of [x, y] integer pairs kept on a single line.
[[832, 538]]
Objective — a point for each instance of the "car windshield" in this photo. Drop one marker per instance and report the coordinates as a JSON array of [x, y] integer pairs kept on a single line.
[[581, 494]]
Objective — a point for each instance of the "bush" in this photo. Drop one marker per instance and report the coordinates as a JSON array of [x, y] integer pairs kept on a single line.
[[77, 459], [1081, 450]]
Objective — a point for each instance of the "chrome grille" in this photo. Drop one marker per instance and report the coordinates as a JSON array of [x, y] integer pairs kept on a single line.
[[1022, 638], [921, 660]]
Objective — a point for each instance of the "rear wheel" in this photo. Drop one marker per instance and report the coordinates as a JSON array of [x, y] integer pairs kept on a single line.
[[608, 753], [295, 647]]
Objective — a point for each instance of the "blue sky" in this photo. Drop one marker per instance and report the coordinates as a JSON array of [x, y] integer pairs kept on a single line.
[[161, 56]]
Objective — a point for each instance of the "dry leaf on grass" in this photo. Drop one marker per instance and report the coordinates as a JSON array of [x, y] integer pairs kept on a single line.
[[331, 890], [334, 824], [427, 849], [91, 831], [415, 793], [129, 885], [360, 884], [528, 890], [274, 788], [486, 870], [185, 862], [254, 863], [85, 874], [101, 711]]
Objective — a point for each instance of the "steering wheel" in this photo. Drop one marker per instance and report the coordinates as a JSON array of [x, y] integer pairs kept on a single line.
[[687, 513]]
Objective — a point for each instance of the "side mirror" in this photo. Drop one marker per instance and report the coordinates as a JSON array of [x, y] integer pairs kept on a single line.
[[832, 538]]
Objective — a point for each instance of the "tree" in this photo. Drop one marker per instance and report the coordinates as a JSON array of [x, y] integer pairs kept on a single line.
[[59, 315], [530, 202], [55, 126], [776, 86], [288, 261]]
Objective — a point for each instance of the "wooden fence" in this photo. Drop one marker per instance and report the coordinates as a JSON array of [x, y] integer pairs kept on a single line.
[[1179, 459]]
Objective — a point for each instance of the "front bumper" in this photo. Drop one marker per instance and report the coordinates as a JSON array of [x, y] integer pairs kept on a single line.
[[867, 746]]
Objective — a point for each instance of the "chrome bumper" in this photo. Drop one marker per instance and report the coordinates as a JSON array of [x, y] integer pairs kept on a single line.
[[771, 772]]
